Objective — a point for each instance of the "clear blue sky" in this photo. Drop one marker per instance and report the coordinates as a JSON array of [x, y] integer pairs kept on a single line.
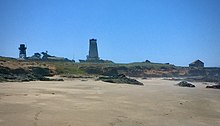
[[174, 31]]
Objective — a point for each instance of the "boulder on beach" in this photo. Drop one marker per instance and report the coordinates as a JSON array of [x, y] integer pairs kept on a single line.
[[185, 84], [214, 86], [120, 78]]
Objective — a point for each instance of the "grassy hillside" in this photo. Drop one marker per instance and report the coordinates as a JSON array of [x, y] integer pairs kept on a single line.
[[136, 69], [61, 67], [131, 69], [24, 69]]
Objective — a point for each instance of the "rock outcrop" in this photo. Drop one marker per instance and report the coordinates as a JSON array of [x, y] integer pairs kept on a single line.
[[185, 84], [22, 74], [214, 86], [120, 78]]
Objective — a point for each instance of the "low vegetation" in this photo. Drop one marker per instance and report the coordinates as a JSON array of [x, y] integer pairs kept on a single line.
[[35, 69]]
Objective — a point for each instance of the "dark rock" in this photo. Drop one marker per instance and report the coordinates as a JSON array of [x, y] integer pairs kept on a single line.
[[110, 71], [41, 71], [76, 76], [120, 78], [185, 84], [197, 72], [44, 79], [147, 61], [18, 71], [92, 70], [122, 68], [4, 70], [56, 79], [214, 86]]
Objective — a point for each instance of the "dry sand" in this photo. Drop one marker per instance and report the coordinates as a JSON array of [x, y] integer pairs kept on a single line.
[[96, 103]]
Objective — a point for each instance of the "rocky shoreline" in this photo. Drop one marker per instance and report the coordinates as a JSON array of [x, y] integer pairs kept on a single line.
[[22, 75], [26, 70]]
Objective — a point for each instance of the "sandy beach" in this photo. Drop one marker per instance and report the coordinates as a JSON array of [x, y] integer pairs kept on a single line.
[[95, 103]]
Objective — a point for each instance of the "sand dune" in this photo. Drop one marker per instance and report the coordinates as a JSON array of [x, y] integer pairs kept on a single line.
[[96, 103]]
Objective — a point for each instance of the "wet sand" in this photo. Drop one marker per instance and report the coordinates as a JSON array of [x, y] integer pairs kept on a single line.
[[96, 103]]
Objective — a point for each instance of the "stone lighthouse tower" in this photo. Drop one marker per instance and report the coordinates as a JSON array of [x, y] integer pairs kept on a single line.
[[93, 51], [22, 51]]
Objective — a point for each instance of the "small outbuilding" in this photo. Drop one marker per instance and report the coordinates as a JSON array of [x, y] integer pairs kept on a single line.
[[196, 64]]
